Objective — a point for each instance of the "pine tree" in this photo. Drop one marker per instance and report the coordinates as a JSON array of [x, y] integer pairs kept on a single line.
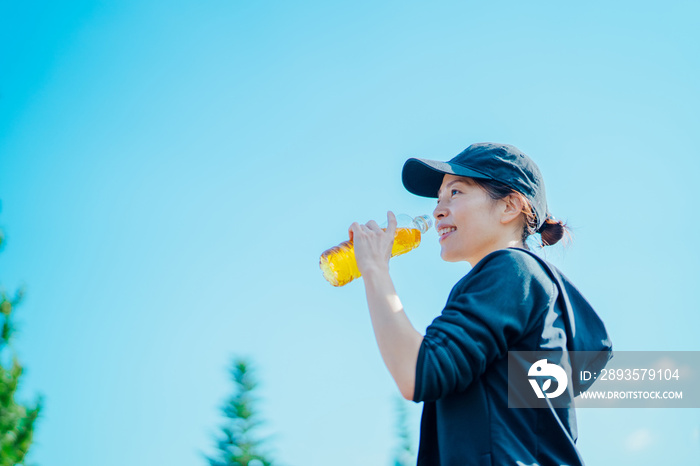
[[16, 420], [239, 446]]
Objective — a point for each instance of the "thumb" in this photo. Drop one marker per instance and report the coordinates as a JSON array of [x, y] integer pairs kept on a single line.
[[391, 223]]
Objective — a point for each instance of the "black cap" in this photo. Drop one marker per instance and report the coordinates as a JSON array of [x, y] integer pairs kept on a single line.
[[485, 160]]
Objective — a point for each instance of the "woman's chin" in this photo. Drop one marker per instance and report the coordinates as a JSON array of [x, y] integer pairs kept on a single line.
[[453, 256], [447, 257]]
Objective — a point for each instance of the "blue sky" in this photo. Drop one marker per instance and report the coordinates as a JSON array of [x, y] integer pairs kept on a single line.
[[171, 171]]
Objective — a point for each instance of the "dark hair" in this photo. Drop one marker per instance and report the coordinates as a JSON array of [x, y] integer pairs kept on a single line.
[[552, 230]]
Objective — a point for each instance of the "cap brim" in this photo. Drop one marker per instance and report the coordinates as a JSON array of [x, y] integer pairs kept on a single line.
[[424, 177]]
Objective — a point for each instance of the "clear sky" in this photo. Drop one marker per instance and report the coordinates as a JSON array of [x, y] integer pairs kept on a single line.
[[171, 171]]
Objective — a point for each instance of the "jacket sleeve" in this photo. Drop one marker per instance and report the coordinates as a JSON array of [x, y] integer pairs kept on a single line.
[[495, 304]]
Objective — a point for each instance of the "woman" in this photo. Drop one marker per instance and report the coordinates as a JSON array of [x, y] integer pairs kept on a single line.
[[490, 198]]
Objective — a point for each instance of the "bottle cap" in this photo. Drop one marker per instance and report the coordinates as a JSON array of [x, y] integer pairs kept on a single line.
[[424, 222]]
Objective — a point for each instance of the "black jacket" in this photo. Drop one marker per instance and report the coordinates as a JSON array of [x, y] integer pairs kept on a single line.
[[512, 300]]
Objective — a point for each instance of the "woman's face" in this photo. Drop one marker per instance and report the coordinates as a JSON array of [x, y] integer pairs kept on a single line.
[[467, 220]]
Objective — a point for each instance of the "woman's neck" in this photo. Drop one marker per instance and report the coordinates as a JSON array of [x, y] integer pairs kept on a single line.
[[504, 244]]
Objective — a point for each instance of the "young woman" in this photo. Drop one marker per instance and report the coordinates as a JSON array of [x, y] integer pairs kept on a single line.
[[490, 198]]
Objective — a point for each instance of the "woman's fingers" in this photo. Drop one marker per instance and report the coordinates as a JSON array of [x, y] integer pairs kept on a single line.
[[372, 230], [372, 225], [372, 243], [351, 230], [391, 223]]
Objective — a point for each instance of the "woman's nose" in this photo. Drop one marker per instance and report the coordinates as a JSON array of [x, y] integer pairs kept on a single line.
[[439, 212]]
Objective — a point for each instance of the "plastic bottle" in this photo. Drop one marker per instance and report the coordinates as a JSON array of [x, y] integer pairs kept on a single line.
[[338, 263]]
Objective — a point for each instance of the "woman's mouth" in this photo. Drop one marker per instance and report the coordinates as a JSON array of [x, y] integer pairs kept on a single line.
[[445, 232]]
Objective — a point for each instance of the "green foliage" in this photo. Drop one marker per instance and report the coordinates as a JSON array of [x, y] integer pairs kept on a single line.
[[16, 420], [238, 445], [404, 451]]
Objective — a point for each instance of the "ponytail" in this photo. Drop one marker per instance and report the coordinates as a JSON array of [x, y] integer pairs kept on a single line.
[[552, 231]]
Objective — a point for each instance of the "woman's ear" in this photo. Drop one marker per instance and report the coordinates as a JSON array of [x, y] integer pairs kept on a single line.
[[514, 204]]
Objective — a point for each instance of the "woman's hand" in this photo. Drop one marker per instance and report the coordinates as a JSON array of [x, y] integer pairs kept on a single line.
[[372, 244]]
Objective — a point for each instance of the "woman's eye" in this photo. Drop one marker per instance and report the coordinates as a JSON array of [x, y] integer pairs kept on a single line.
[[454, 191]]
